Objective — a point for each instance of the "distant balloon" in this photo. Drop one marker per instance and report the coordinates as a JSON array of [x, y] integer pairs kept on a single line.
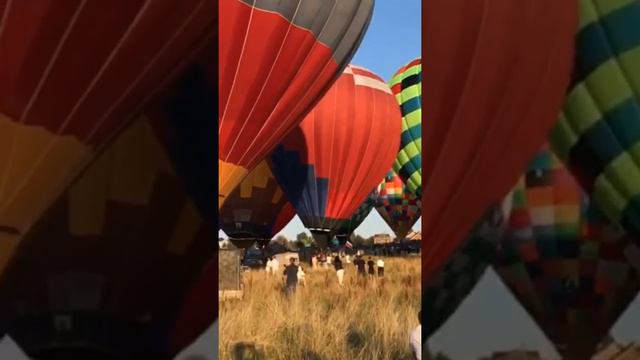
[[568, 266], [107, 268], [256, 210], [328, 165], [406, 85], [497, 72], [73, 73], [599, 128], [349, 226], [277, 58], [399, 208]]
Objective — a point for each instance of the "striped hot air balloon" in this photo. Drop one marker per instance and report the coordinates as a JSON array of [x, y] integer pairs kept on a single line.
[[571, 269], [328, 165], [72, 74], [599, 128], [256, 210], [276, 60], [497, 72], [399, 208], [406, 85], [107, 269]]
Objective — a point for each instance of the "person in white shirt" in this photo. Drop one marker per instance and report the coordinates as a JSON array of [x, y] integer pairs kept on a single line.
[[348, 259], [268, 267], [415, 339], [301, 274], [380, 265], [275, 266]]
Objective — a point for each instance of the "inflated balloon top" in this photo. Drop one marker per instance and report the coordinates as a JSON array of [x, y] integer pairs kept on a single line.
[[256, 210], [496, 74], [399, 208], [599, 128], [276, 60], [406, 85], [568, 266], [328, 165], [73, 74]]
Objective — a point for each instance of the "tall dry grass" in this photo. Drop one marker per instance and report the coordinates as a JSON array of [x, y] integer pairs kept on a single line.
[[323, 321]]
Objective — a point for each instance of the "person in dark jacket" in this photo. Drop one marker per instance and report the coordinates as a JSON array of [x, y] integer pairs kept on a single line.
[[360, 265], [337, 263], [372, 270], [291, 273]]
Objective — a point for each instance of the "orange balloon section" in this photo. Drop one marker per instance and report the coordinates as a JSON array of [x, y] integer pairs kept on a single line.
[[72, 74], [332, 161], [495, 76], [110, 264], [276, 60]]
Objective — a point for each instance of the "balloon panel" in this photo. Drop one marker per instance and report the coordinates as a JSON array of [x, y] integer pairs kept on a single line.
[[563, 261], [599, 127], [497, 79], [73, 74], [109, 264], [406, 85], [358, 217], [276, 60]]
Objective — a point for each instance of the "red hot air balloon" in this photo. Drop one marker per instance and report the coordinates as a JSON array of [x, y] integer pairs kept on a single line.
[[328, 165], [72, 73], [276, 60], [495, 76]]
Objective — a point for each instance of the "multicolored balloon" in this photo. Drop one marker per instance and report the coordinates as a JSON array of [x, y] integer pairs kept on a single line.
[[571, 269], [74, 73], [328, 165], [497, 73], [399, 208], [599, 127], [256, 210], [106, 269], [276, 60], [406, 85]]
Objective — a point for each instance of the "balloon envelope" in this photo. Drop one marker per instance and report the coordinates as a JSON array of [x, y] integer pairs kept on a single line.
[[256, 210], [108, 266], [567, 265], [276, 60], [73, 73], [358, 217], [399, 208], [599, 127], [328, 165], [496, 75], [406, 85]]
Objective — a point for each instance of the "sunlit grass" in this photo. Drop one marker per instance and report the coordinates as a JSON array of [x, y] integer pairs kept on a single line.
[[323, 321]]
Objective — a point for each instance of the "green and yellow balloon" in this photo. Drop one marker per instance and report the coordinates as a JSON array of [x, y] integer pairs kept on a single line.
[[406, 85], [598, 134]]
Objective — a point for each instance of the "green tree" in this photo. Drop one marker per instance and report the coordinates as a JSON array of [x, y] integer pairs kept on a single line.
[[303, 240], [281, 239]]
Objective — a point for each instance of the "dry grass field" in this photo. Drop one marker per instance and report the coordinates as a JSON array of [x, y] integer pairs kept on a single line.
[[323, 321]]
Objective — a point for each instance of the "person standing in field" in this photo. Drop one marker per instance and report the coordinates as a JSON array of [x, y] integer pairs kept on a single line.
[[314, 261], [337, 263], [291, 274], [275, 265], [380, 265], [372, 270], [301, 274], [269, 266], [415, 339], [359, 263]]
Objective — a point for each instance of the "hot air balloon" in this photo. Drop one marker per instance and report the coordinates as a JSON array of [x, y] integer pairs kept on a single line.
[[599, 126], [276, 60], [563, 261], [73, 73], [108, 267], [256, 210], [406, 85], [329, 163], [399, 208], [496, 75], [349, 226]]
